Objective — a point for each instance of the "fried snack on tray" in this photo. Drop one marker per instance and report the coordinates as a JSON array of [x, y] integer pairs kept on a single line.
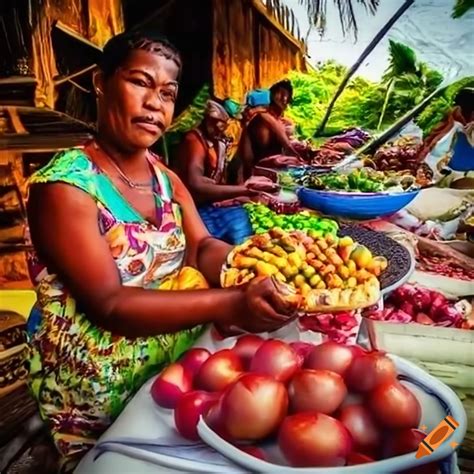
[[322, 274]]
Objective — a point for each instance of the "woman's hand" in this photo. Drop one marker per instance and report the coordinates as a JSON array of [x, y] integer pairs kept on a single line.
[[262, 308]]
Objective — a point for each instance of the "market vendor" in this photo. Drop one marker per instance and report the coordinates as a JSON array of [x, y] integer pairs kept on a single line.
[[201, 162], [449, 149], [267, 133], [111, 226]]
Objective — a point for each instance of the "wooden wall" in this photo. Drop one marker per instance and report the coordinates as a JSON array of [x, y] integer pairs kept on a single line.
[[253, 46]]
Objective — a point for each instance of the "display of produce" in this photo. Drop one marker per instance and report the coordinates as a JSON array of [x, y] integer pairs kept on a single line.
[[402, 156], [364, 180], [443, 266], [322, 406], [263, 219], [410, 303], [327, 274], [400, 261]]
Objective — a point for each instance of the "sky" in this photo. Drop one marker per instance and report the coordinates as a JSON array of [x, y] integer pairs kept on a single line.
[[444, 43]]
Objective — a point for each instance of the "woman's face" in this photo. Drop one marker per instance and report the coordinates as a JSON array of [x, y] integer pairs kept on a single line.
[[136, 104], [281, 98]]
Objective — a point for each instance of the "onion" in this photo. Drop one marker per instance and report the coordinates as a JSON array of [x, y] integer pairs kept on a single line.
[[275, 358], [394, 406], [361, 425], [314, 439], [246, 346], [188, 411], [219, 371], [253, 407], [316, 390], [302, 349], [370, 370], [357, 458], [403, 441], [330, 356], [254, 451], [194, 358], [171, 385]]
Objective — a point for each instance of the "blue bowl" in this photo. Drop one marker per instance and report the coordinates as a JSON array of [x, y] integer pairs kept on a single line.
[[355, 205]]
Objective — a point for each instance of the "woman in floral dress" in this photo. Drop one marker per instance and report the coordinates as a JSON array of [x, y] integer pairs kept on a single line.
[[113, 229]]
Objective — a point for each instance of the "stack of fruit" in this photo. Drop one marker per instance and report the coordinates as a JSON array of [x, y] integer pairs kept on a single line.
[[326, 405], [329, 273]]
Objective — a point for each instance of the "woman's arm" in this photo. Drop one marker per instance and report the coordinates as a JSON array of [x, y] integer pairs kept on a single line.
[[64, 228], [279, 131]]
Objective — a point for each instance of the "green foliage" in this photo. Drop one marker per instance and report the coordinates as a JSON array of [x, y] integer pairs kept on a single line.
[[461, 7], [440, 106], [361, 103]]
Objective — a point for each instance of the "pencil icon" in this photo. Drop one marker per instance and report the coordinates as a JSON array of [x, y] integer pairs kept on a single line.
[[437, 437]]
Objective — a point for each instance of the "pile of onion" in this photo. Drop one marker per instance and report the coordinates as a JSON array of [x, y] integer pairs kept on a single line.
[[326, 405]]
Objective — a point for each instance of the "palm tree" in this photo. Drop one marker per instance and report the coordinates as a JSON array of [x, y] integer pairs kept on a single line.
[[461, 7], [407, 77], [317, 12], [314, 6]]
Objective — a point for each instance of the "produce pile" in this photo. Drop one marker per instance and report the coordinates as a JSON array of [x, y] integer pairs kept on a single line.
[[326, 405], [402, 156], [409, 304], [263, 219], [326, 273], [364, 180], [443, 266]]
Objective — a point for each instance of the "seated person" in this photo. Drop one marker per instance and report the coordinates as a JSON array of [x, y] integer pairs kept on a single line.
[[112, 229], [449, 149], [267, 133], [201, 162]]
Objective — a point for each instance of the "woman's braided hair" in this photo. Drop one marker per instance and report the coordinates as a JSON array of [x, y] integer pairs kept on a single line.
[[118, 48]]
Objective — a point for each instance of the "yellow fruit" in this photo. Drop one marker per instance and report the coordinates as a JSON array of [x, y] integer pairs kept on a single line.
[[315, 249], [352, 267], [345, 241], [331, 239], [254, 252], [334, 281], [240, 261], [279, 262], [362, 256], [289, 271], [265, 269], [351, 282], [295, 259], [322, 244], [309, 271], [305, 289], [278, 251], [327, 269], [322, 257], [321, 285], [343, 271], [363, 275], [314, 280], [333, 257], [299, 281]]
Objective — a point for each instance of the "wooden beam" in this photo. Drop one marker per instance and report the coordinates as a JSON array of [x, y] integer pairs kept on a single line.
[[16, 121], [262, 9], [70, 32], [64, 79]]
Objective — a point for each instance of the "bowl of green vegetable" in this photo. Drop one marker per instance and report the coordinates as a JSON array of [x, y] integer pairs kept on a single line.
[[360, 194]]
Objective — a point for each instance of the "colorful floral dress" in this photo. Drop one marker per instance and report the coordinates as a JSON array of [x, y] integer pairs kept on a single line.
[[82, 375]]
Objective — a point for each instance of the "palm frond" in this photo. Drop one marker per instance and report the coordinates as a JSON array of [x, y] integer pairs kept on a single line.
[[317, 13], [461, 7]]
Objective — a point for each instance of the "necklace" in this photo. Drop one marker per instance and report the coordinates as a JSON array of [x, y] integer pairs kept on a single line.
[[131, 184]]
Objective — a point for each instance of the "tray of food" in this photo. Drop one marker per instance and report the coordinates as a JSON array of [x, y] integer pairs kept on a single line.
[[323, 274]]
